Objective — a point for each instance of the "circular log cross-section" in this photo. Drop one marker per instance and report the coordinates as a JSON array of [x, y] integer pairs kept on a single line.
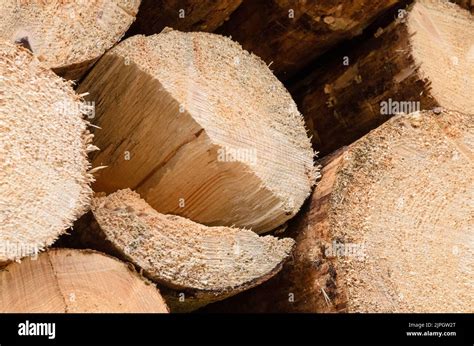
[[67, 36], [388, 228], [199, 128], [195, 263], [76, 281], [44, 179]]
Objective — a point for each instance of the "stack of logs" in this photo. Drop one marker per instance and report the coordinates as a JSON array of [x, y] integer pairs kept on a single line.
[[169, 172]]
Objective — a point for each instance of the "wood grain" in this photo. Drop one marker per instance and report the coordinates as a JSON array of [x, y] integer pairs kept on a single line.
[[76, 281]]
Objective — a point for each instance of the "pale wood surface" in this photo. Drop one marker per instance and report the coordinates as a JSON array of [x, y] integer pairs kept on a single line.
[[172, 107], [43, 167], [66, 36], [76, 281], [401, 197], [201, 264]]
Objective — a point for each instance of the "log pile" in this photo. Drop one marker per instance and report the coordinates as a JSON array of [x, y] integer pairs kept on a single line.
[[197, 264], [233, 146], [179, 174], [387, 228], [290, 34], [66, 36], [398, 70]]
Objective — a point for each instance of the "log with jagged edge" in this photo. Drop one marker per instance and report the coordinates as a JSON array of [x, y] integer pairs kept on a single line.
[[76, 281], [290, 34], [44, 177], [422, 60], [388, 228], [193, 264], [66, 36], [185, 15], [200, 128], [467, 4]]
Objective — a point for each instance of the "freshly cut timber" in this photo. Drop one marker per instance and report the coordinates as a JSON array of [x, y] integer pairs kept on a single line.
[[195, 264], [388, 228], [290, 34], [199, 128], [423, 60], [76, 281], [67, 36], [184, 15], [44, 178]]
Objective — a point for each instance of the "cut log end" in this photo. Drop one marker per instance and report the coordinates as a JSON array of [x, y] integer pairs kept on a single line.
[[421, 61], [404, 192], [388, 228], [237, 134], [76, 281], [204, 264], [442, 34], [66, 37], [45, 184]]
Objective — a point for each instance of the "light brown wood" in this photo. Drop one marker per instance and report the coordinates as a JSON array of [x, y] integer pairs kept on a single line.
[[67, 36], [184, 15], [422, 60], [388, 228], [44, 179], [200, 128], [290, 34], [195, 264], [76, 281]]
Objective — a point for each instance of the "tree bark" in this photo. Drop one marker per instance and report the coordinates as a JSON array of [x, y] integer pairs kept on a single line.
[[44, 178], [466, 4], [184, 15], [290, 34], [200, 128], [75, 281], [387, 228], [421, 61], [66, 36], [193, 263]]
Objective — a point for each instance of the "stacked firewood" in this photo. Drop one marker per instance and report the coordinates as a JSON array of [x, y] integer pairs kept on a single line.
[[236, 156]]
